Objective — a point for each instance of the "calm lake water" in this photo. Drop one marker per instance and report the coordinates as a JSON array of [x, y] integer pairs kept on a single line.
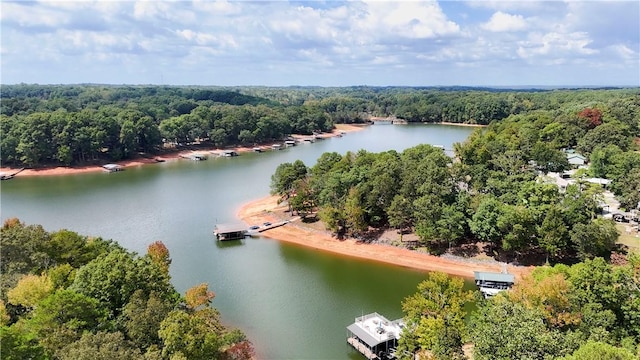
[[292, 302]]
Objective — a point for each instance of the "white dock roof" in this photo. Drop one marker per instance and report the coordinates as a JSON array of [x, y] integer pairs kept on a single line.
[[375, 329]]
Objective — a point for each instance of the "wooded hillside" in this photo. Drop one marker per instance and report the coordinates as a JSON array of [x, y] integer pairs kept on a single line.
[[76, 124]]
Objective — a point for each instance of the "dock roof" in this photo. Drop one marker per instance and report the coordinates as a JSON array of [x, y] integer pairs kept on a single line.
[[230, 228], [497, 277], [375, 329]]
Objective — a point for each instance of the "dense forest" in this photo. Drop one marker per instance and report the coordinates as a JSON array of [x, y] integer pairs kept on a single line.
[[494, 190], [78, 124], [67, 296]]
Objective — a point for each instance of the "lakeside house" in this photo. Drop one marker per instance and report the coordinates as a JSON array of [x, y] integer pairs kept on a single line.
[[374, 336]]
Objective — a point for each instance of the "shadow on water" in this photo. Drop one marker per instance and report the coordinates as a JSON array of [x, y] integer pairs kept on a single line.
[[228, 244]]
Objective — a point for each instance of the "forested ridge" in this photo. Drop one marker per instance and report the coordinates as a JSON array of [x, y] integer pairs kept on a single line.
[[79, 124], [68, 296]]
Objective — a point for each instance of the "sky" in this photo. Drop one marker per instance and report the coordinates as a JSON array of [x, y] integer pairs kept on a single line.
[[321, 43]]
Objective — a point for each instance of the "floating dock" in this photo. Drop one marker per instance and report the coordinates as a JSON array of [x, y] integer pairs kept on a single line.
[[112, 168], [374, 336], [194, 156]]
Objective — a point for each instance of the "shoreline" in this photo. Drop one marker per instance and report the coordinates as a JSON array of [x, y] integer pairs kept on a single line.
[[264, 209], [169, 156]]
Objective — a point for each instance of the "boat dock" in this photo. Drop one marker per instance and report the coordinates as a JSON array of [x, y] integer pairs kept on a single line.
[[491, 284], [234, 231], [272, 226], [194, 156], [374, 336], [112, 168]]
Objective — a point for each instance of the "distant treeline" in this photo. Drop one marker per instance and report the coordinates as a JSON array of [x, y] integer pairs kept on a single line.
[[72, 124]]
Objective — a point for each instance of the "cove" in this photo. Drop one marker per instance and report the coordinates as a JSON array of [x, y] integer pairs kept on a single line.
[[292, 302]]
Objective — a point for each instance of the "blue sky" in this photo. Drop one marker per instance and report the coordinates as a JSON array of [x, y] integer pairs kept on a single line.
[[322, 43]]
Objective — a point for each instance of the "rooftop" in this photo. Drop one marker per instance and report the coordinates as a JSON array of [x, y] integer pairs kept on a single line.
[[230, 228], [374, 329], [497, 277]]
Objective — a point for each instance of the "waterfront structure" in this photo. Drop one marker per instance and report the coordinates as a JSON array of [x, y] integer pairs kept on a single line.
[[374, 336], [491, 284], [112, 167], [228, 153], [195, 156], [230, 231]]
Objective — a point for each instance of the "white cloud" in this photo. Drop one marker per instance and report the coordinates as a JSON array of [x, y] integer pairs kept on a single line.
[[333, 42], [406, 19], [501, 22], [31, 15], [555, 46]]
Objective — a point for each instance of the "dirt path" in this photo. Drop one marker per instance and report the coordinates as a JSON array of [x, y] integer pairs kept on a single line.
[[267, 209]]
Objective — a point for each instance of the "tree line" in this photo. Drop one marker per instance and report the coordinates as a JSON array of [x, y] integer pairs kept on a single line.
[[68, 296], [74, 124]]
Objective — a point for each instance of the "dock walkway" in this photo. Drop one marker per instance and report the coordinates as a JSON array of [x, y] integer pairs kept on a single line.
[[274, 225]]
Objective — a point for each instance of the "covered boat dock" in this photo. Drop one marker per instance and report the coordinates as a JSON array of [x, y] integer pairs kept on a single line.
[[230, 231], [491, 284], [374, 336]]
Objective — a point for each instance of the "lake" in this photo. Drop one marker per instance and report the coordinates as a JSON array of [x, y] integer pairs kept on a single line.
[[292, 302]]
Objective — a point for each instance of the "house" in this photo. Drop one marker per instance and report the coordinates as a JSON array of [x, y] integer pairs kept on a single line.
[[491, 284], [374, 336], [576, 159]]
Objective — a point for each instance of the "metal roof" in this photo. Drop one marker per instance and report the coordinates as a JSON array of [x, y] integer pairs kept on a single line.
[[374, 329], [230, 228], [363, 335], [499, 277]]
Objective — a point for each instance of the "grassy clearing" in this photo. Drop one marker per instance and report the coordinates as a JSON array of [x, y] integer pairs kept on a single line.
[[630, 237]]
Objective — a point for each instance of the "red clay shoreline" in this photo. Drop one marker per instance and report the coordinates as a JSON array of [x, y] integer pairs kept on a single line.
[[265, 209], [169, 156]]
